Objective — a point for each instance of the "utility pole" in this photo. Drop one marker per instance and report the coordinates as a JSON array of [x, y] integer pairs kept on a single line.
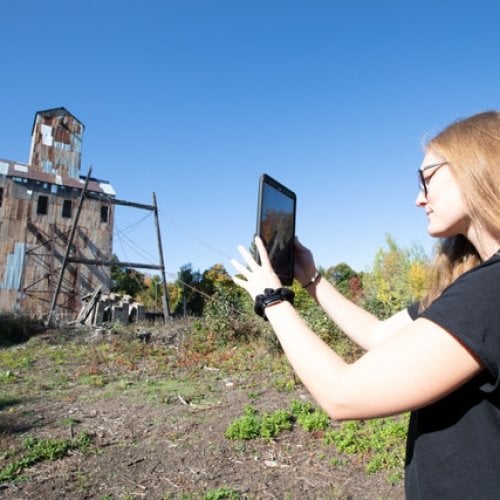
[[166, 310]]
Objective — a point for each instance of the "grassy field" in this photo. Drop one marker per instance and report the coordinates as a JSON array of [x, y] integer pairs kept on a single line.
[[169, 412]]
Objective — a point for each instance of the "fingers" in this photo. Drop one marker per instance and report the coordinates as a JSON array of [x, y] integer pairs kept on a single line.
[[252, 265], [240, 268], [255, 277], [299, 246], [240, 282], [264, 258]]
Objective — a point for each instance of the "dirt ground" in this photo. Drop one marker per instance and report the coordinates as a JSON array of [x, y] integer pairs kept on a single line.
[[175, 447]]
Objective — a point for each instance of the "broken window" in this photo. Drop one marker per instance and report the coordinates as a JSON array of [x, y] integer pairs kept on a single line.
[[42, 205], [66, 209], [104, 213]]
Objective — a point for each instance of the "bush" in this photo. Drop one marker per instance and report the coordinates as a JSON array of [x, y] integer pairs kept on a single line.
[[16, 328], [228, 317]]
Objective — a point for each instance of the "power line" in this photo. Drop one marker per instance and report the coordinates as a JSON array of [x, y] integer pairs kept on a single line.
[[195, 238]]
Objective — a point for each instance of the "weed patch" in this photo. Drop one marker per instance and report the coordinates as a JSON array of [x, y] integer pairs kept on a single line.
[[37, 450], [381, 440], [269, 425], [252, 425], [223, 493], [309, 417]]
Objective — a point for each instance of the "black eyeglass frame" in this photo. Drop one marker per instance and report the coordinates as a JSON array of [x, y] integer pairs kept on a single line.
[[424, 181]]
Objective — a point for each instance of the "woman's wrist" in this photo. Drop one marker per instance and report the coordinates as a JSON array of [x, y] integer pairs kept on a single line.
[[271, 297], [312, 282]]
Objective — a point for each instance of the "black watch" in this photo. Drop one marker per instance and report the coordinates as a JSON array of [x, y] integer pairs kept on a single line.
[[272, 296]]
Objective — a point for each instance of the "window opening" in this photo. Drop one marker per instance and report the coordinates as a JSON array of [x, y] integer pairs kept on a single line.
[[42, 205], [104, 213], [66, 209]]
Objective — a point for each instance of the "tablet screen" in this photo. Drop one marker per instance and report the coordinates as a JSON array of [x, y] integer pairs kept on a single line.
[[276, 225]]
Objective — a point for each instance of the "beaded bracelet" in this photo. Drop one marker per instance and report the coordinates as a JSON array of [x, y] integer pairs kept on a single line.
[[313, 280]]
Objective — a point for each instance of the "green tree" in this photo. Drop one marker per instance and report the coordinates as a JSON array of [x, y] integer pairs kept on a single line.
[[125, 280], [346, 279], [151, 295], [399, 277], [215, 277], [190, 299]]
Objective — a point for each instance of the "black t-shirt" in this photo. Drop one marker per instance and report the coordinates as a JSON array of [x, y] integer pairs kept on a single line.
[[453, 448]]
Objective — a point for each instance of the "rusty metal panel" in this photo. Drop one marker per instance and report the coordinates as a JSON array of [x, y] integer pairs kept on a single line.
[[57, 143], [23, 173], [13, 268]]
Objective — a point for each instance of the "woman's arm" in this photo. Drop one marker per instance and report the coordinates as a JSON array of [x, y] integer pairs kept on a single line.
[[359, 325], [412, 368]]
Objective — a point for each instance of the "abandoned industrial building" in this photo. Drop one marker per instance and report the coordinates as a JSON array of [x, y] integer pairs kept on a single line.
[[39, 202]]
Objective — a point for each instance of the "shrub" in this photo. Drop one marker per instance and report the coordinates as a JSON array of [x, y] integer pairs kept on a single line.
[[16, 328]]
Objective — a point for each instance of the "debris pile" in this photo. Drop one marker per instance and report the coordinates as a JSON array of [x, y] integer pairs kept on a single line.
[[100, 308]]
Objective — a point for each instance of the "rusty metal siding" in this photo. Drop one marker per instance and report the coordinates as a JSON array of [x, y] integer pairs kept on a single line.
[[39, 242], [13, 268], [57, 143]]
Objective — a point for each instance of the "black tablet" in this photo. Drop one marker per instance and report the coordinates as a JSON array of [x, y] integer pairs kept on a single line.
[[276, 225]]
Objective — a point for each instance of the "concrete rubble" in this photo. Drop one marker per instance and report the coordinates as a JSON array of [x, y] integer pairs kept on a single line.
[[99, 308]]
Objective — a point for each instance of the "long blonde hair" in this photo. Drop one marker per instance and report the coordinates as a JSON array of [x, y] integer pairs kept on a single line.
[[472, 149]]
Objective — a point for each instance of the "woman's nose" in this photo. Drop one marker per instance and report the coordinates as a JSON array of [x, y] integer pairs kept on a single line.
[[421, 199]]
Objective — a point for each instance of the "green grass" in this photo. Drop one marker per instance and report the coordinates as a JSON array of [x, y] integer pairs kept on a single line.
[[221, 493], [37, 450], [381, 441], [269, 425]]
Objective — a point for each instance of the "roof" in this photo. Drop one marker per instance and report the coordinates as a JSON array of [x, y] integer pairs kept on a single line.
[[24, 171], [55, 112]]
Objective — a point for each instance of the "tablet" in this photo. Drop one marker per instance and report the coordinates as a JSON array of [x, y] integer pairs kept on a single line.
[[276, 225]]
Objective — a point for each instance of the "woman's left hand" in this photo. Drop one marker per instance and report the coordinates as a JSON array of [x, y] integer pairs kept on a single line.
[[257, 277]]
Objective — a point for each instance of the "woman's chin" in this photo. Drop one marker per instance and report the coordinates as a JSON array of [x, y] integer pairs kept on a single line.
[[436, 232]]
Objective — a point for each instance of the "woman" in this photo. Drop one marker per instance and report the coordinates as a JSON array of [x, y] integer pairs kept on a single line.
[[439, 359]]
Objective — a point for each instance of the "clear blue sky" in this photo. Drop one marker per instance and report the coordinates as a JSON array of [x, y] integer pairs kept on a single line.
[[194, 99]]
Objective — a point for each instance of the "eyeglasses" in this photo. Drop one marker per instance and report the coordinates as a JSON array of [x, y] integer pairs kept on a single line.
[[423, 182]]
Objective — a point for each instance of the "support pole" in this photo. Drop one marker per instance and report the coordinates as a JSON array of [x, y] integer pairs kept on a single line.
[[166, 310], [50, 318]]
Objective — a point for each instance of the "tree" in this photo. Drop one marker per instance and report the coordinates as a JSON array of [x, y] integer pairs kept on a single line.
[[126, 281], [346, 280], [398, 278], [152, 293], [214, 277], [190, 299]]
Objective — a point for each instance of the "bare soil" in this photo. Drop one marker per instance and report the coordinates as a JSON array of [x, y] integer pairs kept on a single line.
[[174, 446]]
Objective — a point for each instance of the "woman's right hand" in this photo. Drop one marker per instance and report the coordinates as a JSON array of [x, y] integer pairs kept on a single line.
[[305, 268]]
